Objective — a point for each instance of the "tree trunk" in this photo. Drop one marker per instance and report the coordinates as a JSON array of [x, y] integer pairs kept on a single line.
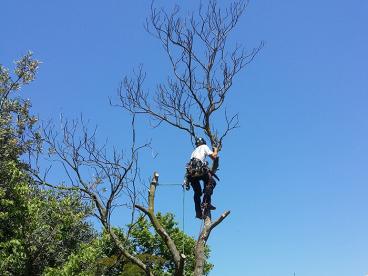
[[202, 239], [177, 257]]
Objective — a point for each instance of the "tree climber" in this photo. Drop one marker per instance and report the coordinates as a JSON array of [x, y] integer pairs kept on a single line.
[[197, 170]]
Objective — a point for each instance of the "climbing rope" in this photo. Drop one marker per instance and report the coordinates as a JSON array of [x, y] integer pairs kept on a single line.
[[183, 215]]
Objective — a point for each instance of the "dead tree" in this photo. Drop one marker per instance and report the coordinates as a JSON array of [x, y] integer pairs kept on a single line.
[[202, 75], [101, 177], [203, 70], [113, 175]]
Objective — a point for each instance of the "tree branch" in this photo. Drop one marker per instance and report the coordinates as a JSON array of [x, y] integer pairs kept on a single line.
[[178, 258]]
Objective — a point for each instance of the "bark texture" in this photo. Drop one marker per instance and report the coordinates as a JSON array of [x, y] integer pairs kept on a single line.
[[202, 239]]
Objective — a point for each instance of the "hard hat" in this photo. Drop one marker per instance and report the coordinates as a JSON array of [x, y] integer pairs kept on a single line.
[[200, 141]]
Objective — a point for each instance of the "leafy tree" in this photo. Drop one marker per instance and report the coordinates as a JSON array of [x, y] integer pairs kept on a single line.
[[146, 241], [16, 122], [38, 227], [102, 256]]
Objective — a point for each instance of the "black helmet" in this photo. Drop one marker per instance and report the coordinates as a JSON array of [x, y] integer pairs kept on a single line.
[[200, 141]]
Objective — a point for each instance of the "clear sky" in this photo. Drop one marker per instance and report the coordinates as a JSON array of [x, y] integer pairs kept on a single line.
[[295, 175]]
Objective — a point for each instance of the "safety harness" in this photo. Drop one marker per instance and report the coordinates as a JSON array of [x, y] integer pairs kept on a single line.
[[197, 168]]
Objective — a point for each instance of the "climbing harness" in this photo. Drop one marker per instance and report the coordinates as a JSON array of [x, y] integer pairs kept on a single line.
[[183, 222], [197, 168]]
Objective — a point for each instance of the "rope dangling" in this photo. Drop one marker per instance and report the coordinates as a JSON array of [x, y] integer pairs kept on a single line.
[[183, 219]]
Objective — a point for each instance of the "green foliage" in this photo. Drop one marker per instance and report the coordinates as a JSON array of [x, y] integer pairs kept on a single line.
[[99, 257], [38, 228], [15, 121], [102, 257], [82, 262], [146, 242], [17, 134]]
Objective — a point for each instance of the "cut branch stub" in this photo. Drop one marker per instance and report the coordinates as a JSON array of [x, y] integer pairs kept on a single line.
[[152, 190], [178, 258]]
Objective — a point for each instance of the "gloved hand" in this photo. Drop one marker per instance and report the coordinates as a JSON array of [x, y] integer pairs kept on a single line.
[[186, 185]]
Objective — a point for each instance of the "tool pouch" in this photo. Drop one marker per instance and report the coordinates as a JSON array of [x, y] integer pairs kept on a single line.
[[197, 168]]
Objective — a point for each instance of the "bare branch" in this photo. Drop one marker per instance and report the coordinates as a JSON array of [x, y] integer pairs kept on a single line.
[[202, 70], [102, 176]]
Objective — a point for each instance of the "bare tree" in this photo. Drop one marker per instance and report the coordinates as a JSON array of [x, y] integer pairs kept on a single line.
[[203, 70], [101, 176]]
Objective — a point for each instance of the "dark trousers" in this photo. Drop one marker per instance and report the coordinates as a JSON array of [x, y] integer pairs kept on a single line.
[[209, 184]]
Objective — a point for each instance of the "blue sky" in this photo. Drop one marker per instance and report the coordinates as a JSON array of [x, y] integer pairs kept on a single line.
[[294, 175]]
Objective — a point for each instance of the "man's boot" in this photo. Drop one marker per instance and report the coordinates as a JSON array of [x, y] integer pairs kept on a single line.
[[211, 207], [208, 206], [186, 183]]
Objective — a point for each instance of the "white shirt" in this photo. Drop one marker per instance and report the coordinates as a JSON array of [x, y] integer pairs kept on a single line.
[[201, 152]]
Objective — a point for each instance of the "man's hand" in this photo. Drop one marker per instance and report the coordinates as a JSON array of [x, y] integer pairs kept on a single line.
[[186, 185], [215, 153]]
